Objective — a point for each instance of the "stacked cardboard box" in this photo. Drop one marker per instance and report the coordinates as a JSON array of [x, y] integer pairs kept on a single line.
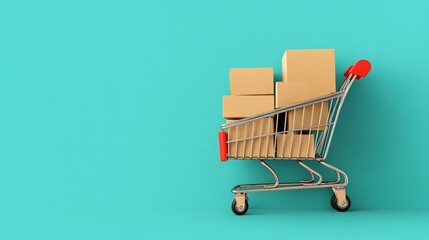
[[252, 92], [252, 140], [292, 145], [306, 74]]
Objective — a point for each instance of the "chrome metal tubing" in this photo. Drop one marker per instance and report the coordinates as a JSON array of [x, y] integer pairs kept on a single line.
[[338, 171], [276, 178], [282, 186], [346, 90], [277, 185], [313, 172]]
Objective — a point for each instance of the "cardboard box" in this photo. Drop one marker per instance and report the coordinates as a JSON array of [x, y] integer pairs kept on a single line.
[[299, 114], [288, 93], [245, 106], [295, 145], [256, 148], [316, 66], [251, 81], [306, 74]]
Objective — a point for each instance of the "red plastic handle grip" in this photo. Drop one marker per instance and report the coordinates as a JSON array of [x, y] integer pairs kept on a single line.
[[361, 68], [347, 72], [223, 146]]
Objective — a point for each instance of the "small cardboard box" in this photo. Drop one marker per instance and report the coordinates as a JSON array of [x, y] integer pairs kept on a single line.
[[244, 106], [295, 145], [288, 93], [248, 148], [317, 66], [299, 113], [251, 81]]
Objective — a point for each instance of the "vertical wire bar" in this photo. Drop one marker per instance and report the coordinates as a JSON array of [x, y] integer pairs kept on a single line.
[[291, 131], [309, 131], [252, 139], [260, 138], [236, 141], [300, 135], [229, 142], [319, 129], [244, 140], [268, 136], [275, 135], [284, 134]]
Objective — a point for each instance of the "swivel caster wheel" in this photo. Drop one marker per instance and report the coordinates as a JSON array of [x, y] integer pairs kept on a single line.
[[340, 207], [239, 209]]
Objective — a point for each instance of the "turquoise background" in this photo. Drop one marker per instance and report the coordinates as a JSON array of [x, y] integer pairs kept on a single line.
[[109, 112]]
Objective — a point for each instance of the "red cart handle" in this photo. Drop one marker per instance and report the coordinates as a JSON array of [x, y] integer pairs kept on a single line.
[[223, 146], [361, 68]]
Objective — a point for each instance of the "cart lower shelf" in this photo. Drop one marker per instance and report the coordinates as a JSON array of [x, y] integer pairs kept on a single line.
[[339, 200]]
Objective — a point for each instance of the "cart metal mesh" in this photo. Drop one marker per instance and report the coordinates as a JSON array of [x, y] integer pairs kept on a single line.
[[298, 132]]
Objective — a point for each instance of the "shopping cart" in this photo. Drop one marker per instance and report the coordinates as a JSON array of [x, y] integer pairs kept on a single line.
[[298, 132]]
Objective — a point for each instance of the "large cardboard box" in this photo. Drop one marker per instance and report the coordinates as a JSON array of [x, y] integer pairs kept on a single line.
[[235, 107], [300, 113], [262, 147], [306, 74], [251, 81], [288, 93], [294, 145], [316, 66]]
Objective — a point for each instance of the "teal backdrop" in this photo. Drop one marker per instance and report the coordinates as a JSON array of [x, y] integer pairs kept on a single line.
[[109, 113]]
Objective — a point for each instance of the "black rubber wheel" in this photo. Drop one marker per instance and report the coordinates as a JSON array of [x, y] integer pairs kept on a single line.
[[338, 208], [238, 211]]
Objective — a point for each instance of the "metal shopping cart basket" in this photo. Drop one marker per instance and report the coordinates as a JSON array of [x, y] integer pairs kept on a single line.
[[298, 132]]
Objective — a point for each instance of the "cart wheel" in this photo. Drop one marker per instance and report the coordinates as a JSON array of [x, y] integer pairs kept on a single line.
[[239, 211], [338, 208]]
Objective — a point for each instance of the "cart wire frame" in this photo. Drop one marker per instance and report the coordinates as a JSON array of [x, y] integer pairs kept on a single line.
[[299, 138]]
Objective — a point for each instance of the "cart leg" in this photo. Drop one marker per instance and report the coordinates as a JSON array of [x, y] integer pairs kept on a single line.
[[308, 181], [240, 205], [340, 194], [240, 199], [276, 178], [338, 172], [312, 173]]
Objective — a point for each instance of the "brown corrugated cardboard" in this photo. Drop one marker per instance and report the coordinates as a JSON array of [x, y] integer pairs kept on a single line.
[[300, 113], [316, 66], [306, 74], [245, 106], [288, 93], [295, 145], [256, 148], [251, 81]]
